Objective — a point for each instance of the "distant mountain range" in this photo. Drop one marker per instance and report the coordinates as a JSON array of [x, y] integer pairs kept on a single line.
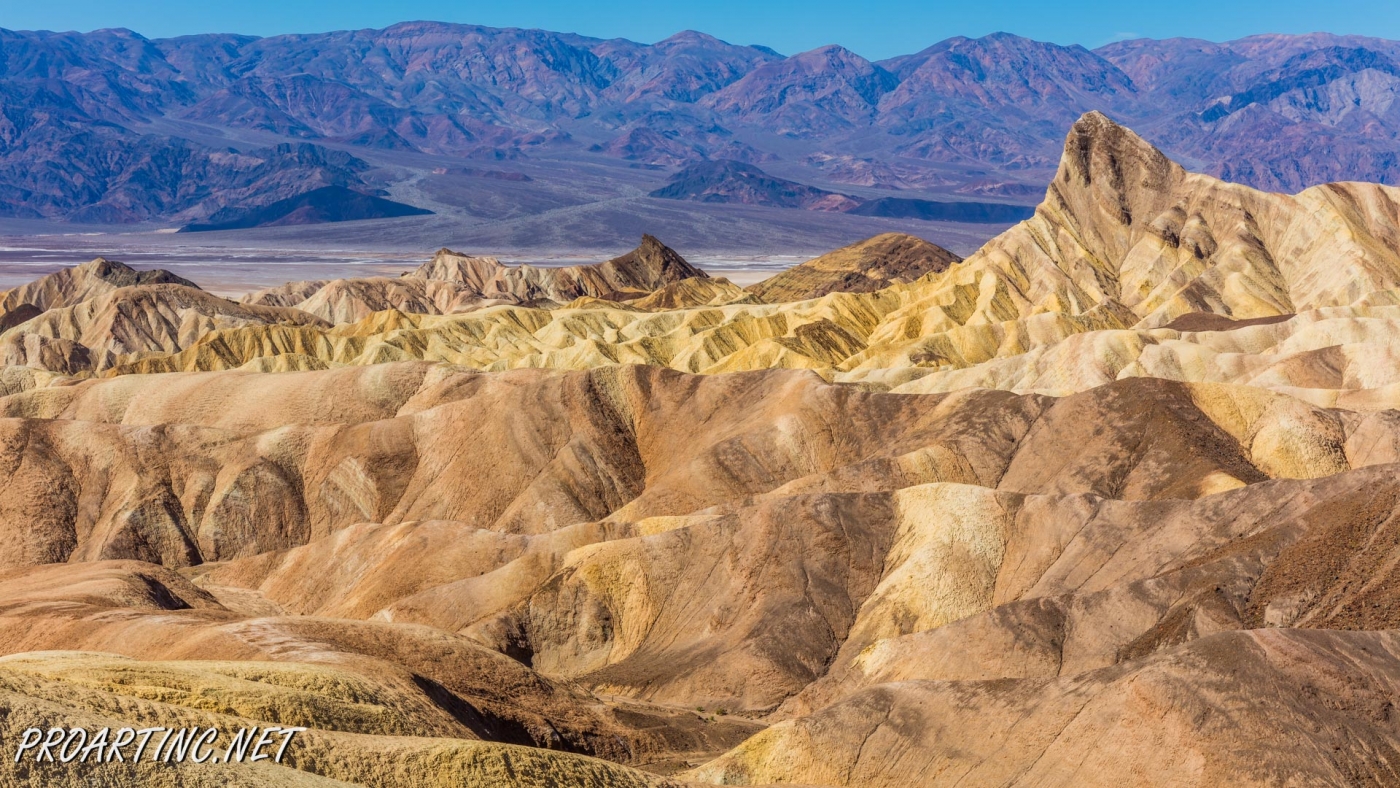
[[111, 127]]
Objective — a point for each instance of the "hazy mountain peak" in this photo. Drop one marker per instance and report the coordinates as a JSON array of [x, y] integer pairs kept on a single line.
[[690, 37], [830, 82], [120, 32], [832, 53]]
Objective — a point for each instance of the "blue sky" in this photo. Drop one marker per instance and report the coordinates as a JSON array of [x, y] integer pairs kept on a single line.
[[874, 29]]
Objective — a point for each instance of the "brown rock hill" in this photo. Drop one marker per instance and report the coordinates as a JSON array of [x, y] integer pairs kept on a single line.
[[1194, 714], [142, 628], [691, 293], [350, 300], [120, 325], [453, 282], [289, 294], [872, 264], [72, 286], [644, 269], [941, 576]]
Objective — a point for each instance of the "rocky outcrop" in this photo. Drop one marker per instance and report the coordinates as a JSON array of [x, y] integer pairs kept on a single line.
[[372, 694], [129, 323], [289, 294], [694, 292], [72, 286], [650, 266], [452, 282], [1167, 712], [872, 264]]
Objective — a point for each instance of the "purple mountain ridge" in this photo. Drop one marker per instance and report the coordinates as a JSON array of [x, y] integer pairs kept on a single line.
[[111, 127]]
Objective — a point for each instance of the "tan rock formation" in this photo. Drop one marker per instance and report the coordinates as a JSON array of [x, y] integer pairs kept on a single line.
[[129, 323], [1206, 713], [648, 267], [72, 286], [691, 293], [452, 282], [200, 658], [872, 264], [289, 294]]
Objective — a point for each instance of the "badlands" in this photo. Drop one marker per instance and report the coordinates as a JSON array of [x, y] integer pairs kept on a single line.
[[1111, 502]]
